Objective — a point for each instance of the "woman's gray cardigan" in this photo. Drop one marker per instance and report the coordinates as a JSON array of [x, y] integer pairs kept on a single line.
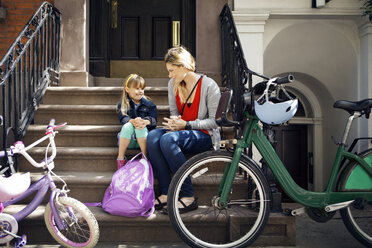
[[209, 98]]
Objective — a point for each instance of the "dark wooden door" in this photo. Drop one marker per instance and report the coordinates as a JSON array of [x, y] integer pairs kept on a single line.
[[124, 31], [142, 29], [292, 149]]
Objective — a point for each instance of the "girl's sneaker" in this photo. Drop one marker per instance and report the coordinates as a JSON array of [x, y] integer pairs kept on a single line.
[[121, 162]]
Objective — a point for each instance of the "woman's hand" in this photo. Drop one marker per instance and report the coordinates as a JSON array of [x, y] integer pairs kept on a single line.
[[174, 123]]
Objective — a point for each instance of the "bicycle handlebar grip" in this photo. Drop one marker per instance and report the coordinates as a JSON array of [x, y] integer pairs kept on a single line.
[[284, 80], [52, 122]]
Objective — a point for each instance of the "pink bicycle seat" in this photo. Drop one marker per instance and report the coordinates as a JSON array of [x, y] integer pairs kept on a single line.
[[13, 186]]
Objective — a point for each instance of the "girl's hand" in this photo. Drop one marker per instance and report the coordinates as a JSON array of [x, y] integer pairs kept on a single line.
[[140, 123]]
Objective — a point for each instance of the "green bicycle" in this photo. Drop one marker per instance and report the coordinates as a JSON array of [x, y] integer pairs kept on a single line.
[[234, 205]]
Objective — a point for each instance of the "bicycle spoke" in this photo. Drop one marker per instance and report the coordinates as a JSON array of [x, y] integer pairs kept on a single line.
[[81, 228]]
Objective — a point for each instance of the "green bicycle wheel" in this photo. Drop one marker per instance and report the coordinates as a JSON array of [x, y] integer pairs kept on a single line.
[[358, 216], [236, 225]]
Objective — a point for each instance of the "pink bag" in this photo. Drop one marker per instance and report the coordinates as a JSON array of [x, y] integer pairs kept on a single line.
[[131, 192]]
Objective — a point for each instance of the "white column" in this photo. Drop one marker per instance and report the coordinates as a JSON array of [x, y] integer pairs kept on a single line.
[[74, 60], [251, 28], [365, 89]]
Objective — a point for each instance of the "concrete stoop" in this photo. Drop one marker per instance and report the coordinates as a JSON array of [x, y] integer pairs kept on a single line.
[[99, 95], [86, 154], [86, 114], [157, 229]]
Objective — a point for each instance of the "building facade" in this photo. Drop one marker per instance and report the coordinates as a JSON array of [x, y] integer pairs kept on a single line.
[[327, 49]]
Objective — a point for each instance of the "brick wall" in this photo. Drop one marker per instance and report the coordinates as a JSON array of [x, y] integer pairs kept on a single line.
[[18, 12]]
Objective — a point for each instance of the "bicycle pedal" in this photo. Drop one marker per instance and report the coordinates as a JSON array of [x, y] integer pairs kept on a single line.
[[287, 211], [21, 242]]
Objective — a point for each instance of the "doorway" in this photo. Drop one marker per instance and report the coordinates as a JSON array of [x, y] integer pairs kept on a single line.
[[292, 149], [133, 36]]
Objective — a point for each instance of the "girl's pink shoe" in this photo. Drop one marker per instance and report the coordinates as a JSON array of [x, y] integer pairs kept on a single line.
[[120, 163]]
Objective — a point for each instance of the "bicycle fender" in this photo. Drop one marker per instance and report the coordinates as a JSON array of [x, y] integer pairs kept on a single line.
[[252, 161], [354, 178]]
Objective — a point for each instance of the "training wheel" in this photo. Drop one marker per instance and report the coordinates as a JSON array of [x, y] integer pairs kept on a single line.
[[9, 224]]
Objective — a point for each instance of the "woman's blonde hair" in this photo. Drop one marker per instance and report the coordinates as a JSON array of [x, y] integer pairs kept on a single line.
[[133, 80], [179, 56]]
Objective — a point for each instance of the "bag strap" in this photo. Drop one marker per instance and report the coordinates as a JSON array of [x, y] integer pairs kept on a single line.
[[148, 213], [93, 204], [143, 155], [183, 108]]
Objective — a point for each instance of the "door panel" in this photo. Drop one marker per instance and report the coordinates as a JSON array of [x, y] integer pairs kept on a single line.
[[98, 37], [161, 33], [129, 46]]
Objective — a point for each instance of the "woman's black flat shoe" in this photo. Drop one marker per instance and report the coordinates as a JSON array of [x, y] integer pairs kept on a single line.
[[191, 207], [160, 205]]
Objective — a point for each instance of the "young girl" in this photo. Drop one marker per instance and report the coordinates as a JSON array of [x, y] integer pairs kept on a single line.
[[137, 114]]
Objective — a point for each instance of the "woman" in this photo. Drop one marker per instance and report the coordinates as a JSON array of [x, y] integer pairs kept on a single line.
[[193, 101]]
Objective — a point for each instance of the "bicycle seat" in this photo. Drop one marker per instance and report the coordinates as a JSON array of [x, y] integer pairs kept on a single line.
[[363, 106], [13, 186]]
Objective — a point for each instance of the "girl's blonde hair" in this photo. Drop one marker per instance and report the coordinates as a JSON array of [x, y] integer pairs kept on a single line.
[[179, 56], [133, 80]]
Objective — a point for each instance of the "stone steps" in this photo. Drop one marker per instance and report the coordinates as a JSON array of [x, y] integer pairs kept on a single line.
[[90, 185], [118, 82], [98, 95], [78, 135], [86, 154], [115, 229], [79, 159], [86, 114]]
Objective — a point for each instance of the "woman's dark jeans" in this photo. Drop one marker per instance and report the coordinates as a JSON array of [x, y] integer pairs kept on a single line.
[[166, 153]]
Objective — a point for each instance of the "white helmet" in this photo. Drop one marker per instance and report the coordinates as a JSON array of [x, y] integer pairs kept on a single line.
[[275, 112], [13, 186]]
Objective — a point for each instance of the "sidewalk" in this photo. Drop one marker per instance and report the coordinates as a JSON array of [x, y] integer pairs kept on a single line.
[[309, 234]]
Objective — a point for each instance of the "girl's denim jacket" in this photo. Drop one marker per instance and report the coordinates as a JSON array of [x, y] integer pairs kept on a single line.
[[146, 110]]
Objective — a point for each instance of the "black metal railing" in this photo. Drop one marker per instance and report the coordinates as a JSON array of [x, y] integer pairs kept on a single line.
[[235, 76], [29, 66], [235, 72]]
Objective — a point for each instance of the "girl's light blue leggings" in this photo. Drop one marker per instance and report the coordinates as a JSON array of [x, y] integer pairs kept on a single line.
[[127, 132]]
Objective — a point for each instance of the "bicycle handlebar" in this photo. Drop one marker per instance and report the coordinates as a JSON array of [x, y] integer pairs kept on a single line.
[[19, 148], [285, 80]]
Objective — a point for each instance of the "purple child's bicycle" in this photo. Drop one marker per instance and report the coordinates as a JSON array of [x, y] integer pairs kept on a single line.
[[68, 220]]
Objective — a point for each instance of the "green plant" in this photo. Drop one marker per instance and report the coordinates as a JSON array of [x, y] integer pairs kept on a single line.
[[367, 7]]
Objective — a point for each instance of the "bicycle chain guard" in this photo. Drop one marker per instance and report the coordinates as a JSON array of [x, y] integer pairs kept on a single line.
[[319, 215]]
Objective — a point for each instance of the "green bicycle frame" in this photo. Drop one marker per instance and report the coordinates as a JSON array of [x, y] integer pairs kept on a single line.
[[254, 134]]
